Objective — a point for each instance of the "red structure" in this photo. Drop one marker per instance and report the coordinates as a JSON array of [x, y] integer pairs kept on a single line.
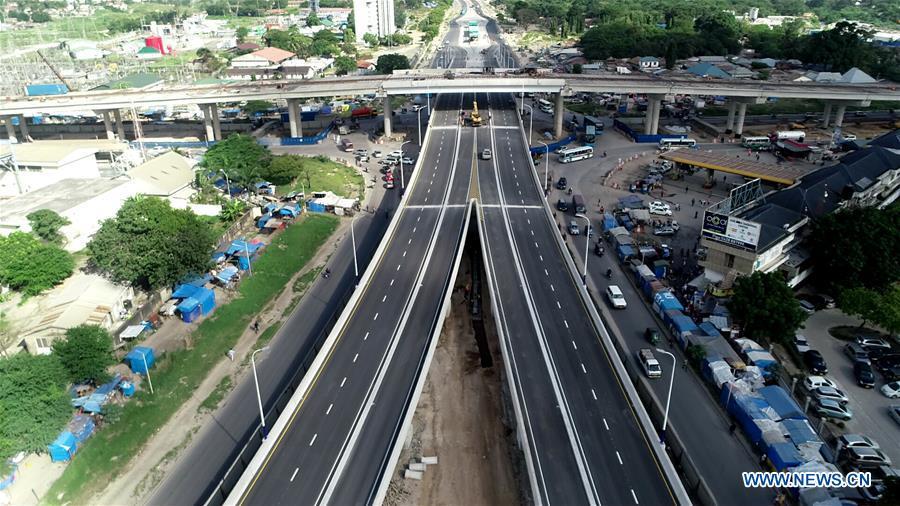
[[156, 42]]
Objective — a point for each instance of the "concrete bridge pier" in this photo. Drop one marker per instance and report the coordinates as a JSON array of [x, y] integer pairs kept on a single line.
[[729, 125], [120, 125], [23, 125], [559, 112], [208, 122], [826, 116], [294, 118], [839, 115], [388, 113], [217, 127], [107, 125], [741, 113], [10, 129], [651, 118]]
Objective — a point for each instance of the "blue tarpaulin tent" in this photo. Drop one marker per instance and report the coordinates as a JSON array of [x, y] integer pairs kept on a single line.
[[189, 309], [784, 455], [289, 210], [207, 300], [800, 432], [81, 426], [681, 324], [227, 274], [184, 291], [624, 252], [244, 251], [709, 329], [137, 357], [782, 403], [261, 222], [609, 222], [666, 301], [63, 448]]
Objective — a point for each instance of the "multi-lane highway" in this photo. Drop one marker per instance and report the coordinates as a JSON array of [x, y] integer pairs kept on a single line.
[[585, 442], [338, 441]]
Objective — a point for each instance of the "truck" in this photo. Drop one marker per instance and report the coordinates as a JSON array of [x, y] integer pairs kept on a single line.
[[649, 363], [364, 112], [476, 116], [578, 204], [789, 135]]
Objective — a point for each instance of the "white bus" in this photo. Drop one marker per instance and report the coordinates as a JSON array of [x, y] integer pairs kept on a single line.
[[758, 142], [672, 143], [575, 154], [545, 106]]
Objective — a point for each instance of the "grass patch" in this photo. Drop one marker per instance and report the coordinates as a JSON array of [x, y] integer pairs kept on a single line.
[[303, 282], [215, 397], [268, 334], [178, 374], [849, 332], [328, 175]]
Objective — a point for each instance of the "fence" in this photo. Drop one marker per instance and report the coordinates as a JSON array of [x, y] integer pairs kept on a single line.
[[171, 144], [304, 141], [552, 147]]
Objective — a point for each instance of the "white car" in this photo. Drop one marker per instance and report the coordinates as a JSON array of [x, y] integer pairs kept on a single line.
[[801, 344], [616, 297], [891, 390], [661, 208], [407, 160], [830, 393], [813, 382], [396, 153]]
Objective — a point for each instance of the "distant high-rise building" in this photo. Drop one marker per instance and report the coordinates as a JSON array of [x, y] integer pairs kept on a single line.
[[314, 5], [373, 16]]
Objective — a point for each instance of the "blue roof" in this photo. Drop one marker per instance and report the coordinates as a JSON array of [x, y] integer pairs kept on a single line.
[[782, 402], [185, 291], [241, 247], [708, 70]]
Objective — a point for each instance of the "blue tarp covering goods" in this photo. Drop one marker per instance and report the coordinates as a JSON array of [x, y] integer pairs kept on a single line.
[[138, 356], [64, 448], [782, 403]]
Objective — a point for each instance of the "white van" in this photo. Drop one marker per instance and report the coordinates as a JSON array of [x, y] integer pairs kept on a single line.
[[616, 297]]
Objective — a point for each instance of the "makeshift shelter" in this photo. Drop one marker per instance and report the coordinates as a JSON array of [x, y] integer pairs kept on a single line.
[[783, 456], [631, 202], [666, 301], [63, 448], [784, 406], [133, 331], [140, 359], [799, 432], [189, 309], [81, 426], [226, 275], [245, 252]]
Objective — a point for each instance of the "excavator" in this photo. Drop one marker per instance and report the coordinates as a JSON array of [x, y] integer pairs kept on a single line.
[[476, 117]]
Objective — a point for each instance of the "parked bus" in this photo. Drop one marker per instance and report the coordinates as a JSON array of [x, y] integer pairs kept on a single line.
[[672, 143], [575, 154], [545, 106], [756, 143]]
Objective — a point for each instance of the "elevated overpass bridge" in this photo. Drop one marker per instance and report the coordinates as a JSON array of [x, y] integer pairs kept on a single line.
[[434, 81]]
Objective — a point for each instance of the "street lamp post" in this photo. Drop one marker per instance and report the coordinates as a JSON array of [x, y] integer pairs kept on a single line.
[[662, 436], [262, 415], [587, 242], [402, 177], [530, 119], [546, 167], [419, 123], [147, 370], [227, 183], [353, 240]]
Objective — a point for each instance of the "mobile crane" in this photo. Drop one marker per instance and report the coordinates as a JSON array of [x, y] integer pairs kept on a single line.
[[476, 117]]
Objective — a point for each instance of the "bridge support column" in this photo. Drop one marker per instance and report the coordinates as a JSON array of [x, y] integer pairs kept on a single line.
[[729, 125], [107, 124], [648, 117], [23, 125], [294, 118], [742, 111], [826, 116], [208, 122], [10, 129], [388, 113], [559, 111], [120, 125], [654, 124], [217, 127], [839, 115]]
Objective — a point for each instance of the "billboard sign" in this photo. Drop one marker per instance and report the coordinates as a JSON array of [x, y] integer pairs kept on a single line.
[[729, 230]]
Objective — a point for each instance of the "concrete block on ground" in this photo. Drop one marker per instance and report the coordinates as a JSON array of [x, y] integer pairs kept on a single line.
[[432, 461], [413, 475], [417, 466]]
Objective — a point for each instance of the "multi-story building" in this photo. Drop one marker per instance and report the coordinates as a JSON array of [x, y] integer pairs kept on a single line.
[[767, 234], [373, 16]]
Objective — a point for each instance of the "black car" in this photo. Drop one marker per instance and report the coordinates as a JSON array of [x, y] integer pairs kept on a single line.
[[864, 375], [562, 205], [562, 184], [818, 301], [815, 362]]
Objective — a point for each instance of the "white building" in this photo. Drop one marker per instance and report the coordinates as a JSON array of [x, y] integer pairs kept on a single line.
[[43, 163], [373, 16]]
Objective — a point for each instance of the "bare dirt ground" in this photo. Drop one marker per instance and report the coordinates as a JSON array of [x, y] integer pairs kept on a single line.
[[144, 473], [460, 419]]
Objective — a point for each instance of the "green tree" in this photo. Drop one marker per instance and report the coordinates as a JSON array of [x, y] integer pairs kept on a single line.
[[313, 20], [86, 353], [232, 210], [30, 266], [241, 157], [45, 223], [860, 302], [856, 247], [149, 244], [8, 334], [324, 43], [254, 106], [888, 316], [399, 18], [718, 33], [388, 63], [241, 34], [290, 40], [344, 65], [285, 168], [370, 39], [577, 68], [766, 308], [34, 404]]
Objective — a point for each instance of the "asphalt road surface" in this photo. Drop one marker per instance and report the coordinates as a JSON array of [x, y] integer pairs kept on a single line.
[[349, 419], [585, 440]]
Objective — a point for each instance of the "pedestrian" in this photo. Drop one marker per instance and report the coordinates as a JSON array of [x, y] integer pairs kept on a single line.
[[764, 460], [757, 156], [685, 189], [695, 214], [684, 365], [692, 202], [231, 354]]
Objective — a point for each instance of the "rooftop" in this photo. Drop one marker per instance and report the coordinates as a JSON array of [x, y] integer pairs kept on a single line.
[[746, 167], [164, 175], [59, 197], [273, 54], [141, 80], [48, 153]]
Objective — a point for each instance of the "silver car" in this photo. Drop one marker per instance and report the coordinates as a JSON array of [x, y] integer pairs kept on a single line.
[[830, 393]]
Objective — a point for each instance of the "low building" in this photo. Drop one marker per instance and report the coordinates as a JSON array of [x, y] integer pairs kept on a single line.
[[646, 63], [83, 299], [708, 70], [167, 176], [148, 53], [42, 163], [262, 58], [767, 235]]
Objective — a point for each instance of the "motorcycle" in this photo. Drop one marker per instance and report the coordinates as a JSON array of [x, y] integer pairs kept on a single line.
[[608, 273]]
